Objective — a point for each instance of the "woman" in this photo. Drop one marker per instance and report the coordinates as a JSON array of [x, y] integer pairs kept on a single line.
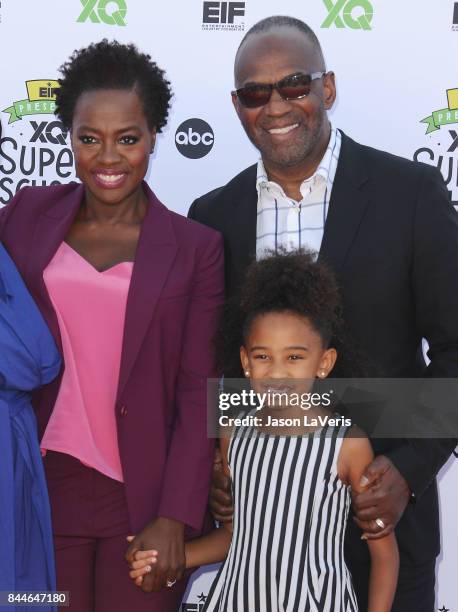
[[132, 293], [28, 359]]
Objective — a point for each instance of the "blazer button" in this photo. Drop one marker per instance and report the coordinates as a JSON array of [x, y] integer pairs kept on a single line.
[[123, 411]]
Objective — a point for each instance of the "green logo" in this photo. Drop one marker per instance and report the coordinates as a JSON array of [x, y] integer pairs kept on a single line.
[[96, 11], [444, 116], [41, 100], [343, 13]]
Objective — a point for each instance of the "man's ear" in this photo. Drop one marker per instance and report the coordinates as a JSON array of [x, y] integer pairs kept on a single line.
[[329, 88], [235, 103]]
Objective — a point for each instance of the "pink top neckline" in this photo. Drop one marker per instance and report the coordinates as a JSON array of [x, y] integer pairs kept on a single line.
[[90, 306], [84, 260]]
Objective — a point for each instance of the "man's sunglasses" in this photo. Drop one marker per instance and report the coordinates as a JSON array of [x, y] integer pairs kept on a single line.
[[291, 87]]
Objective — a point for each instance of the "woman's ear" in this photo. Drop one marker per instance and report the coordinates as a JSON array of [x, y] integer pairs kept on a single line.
[[327, 362], [153, 140]]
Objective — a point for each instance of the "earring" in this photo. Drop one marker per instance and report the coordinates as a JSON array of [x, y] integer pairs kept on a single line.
[[322, 374], [247, 373]]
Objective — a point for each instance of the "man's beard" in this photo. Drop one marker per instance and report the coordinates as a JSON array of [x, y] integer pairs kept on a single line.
[[304, 145]]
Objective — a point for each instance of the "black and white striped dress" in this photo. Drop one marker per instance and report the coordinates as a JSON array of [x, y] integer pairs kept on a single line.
[[290, 515]]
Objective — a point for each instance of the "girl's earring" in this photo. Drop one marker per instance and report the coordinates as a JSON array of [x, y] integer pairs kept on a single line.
[[247, 373], [322, 374]]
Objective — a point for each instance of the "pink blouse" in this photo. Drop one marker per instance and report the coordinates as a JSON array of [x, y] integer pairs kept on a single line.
[[90, 308]]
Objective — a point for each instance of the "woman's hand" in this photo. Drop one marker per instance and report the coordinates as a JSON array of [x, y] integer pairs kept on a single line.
[[165, 537]]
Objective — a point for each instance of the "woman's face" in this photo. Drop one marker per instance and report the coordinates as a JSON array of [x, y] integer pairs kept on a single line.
[[112, 142]]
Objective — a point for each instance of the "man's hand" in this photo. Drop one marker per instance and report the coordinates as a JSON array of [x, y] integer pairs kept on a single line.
[[220, 491], [385, 498], [166, 536]]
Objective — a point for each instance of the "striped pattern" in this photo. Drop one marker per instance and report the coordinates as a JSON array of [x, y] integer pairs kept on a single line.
[[283, 222], [290, 514]]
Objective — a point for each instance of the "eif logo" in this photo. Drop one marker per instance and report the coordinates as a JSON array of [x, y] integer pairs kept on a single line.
[[223, 16], [110, 12], [354, 14], [455, 17], [194, 138]]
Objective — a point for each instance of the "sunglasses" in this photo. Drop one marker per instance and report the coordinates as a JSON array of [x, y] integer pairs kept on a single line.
[[291, 87]]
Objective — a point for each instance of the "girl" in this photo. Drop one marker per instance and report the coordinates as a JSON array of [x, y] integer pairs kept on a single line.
[[291, 492]]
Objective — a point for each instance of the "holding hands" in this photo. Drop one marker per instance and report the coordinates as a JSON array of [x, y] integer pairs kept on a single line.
[[156, 555], [382, 503]]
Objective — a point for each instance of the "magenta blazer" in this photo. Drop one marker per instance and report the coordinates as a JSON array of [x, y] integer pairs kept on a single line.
[[173, 309]]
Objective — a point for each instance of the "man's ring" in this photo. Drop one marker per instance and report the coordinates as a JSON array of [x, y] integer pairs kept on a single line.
[[380, 523], [170, 583]]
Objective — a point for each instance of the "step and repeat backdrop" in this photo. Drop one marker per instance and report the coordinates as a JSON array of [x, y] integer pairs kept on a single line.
[[395, 65]]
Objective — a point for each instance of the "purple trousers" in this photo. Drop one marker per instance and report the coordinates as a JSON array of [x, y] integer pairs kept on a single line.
[[90, 526]]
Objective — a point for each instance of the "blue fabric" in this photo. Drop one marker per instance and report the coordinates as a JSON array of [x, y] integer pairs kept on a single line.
[[28, 360]]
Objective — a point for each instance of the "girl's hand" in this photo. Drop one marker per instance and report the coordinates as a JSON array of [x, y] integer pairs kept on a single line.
[[144, 560]]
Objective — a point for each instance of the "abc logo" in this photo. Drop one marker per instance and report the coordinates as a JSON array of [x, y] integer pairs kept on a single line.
[[194, 138]]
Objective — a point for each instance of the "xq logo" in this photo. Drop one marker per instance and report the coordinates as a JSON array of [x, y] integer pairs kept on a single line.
[[355, 14], [110, 12], [53, 132]]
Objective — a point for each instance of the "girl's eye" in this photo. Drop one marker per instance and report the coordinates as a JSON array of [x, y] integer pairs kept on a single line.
[[87, 139], [294, 357], [261, 356], [128, 140]]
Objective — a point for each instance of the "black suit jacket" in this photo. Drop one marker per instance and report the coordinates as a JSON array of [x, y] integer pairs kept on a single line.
[[391, 237]]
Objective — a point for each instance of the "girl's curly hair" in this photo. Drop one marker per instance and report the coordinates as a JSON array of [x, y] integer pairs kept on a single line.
[[289, 282]]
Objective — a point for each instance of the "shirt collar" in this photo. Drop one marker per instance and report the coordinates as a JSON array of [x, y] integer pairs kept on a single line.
[[323, 169]]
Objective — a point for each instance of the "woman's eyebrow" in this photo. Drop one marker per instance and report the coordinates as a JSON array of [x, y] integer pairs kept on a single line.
[[94, 129]]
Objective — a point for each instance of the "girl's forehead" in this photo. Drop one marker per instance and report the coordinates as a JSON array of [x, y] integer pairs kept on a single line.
[[281, 324]]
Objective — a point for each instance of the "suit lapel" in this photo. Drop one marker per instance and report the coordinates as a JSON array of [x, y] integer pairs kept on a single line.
[[349, 200], [50, 230], [241, 232], [156, 252]]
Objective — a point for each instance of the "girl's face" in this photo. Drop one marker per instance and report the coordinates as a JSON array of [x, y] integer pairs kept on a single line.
[[283, 352]]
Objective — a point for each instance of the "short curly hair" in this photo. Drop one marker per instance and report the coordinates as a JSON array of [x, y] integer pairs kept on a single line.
[[289, 282], [112, 65]]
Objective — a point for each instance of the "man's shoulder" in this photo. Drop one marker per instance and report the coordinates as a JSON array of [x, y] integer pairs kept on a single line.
[[224, 196], [382, 163]]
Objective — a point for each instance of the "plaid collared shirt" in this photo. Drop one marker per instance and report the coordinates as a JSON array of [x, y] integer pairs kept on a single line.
[[283, 222]]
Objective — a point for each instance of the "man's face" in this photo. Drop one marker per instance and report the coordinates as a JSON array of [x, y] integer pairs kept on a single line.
[[286, 132]]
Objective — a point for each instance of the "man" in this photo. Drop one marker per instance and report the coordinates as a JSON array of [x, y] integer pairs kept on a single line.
[[388, 230]]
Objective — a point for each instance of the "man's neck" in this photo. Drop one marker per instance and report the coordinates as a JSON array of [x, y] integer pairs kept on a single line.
[[290, 178]]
